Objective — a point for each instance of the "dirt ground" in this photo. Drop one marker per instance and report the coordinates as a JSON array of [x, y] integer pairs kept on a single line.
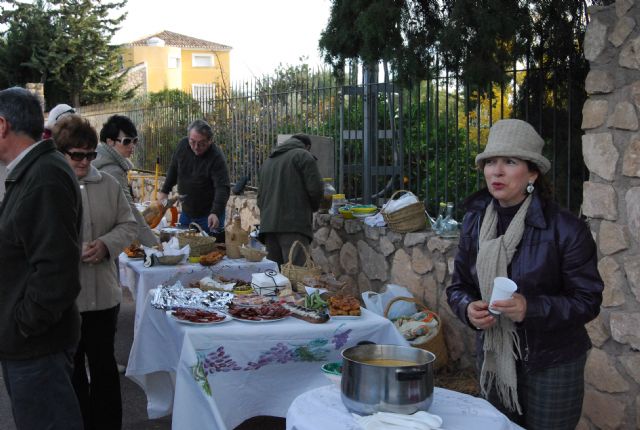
[[463, 381]]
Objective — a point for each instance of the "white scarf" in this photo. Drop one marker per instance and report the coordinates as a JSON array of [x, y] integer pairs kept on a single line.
[[501, 343]]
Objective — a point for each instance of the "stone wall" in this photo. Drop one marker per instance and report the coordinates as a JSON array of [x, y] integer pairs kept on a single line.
[[367, 258], [611, 200]]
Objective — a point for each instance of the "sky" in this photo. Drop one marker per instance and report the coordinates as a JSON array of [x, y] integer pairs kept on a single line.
[[262, 33]]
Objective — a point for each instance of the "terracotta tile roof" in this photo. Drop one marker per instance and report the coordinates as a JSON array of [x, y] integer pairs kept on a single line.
[[181, 41]]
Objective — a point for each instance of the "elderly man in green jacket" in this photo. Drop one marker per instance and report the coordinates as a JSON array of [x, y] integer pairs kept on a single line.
[[290, 190]]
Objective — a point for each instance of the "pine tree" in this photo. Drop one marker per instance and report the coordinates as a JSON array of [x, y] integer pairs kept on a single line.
[[480, 39], [63, 44]]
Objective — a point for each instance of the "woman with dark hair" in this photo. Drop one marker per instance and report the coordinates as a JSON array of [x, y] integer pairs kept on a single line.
[[108, 227], [532, 347], [118, 139]]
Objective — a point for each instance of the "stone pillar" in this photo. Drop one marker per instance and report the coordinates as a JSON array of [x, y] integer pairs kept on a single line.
[[611, 201], [38, 89]]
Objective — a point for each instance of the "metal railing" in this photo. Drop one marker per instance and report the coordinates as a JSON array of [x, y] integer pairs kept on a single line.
[[423, 139]]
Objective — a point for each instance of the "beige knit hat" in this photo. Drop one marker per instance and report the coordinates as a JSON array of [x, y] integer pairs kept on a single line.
[[515, 138]]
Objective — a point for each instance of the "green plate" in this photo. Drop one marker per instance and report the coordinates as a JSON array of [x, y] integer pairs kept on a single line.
[[333, 368]]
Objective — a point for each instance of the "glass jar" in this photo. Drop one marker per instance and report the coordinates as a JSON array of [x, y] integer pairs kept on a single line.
[[327, 196], [338, 201], [437, 224], [450, 227]]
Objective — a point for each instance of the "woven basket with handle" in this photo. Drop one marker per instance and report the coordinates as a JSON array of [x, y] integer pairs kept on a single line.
[[297, 273], [199, 242], [434, 345], [407, 219]]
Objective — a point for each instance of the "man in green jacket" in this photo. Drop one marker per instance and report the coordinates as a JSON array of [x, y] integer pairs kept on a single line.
[[289, 191]]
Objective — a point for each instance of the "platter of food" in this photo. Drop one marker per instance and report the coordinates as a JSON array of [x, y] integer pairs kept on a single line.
[[346, 317], [212, 258], [259, 314], [197, 316], [313, 316], [134, 252], [250, 300], [344, 306]]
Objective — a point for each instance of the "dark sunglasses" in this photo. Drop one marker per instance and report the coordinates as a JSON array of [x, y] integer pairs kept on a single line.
[[79, 156], [126, 141]]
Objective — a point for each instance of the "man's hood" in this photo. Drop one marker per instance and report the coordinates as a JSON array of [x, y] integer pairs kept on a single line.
[[287, 146]]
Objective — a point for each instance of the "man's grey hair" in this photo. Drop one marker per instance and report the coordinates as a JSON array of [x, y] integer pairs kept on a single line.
[[201, 127], [22, 109]]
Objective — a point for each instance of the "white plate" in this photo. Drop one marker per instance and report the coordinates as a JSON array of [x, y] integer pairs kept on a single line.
[[258, 321], [226, 319], [357, 215]]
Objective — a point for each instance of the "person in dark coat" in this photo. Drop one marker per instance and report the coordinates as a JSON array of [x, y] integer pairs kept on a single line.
[[200, 170], [532, 355], [40, 221], [289, 192]]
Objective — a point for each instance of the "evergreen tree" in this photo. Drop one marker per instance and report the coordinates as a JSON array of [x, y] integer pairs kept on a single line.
[[478, 38], [24, 46], [63, 44]]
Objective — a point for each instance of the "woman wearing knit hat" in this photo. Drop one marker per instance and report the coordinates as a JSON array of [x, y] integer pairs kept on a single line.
[[56, 114], [532, 347]]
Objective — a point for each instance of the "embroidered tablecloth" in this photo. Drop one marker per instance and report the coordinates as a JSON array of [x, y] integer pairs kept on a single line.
[[218, 375]]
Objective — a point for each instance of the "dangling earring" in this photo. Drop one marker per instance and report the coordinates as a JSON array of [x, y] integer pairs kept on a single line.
[[530, 187]]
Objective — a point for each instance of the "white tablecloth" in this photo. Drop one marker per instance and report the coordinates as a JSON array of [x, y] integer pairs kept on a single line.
[[263, 366], [322, 408], [139, 279]]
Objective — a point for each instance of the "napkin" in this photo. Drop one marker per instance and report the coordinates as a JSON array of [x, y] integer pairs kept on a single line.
[[389, 421], [172, 247], [375, 220]]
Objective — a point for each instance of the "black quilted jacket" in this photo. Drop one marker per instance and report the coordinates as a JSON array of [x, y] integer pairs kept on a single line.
[[555, 267]]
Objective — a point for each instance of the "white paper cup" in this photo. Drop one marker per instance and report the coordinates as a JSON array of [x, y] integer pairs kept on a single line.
[[503, 289]]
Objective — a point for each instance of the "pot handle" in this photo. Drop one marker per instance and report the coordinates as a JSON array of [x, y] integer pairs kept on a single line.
[[410, 375]]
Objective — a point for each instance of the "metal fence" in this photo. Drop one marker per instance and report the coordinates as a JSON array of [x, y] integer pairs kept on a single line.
[[423, 139]]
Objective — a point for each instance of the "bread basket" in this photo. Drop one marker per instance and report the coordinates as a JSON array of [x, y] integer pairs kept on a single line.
[[169, 260], [252, 254], [199, 242]]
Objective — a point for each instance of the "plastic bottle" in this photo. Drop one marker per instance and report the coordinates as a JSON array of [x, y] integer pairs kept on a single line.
[[327, 197]]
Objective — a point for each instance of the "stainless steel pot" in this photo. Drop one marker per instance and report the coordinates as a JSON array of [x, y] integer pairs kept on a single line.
[[369, 388]]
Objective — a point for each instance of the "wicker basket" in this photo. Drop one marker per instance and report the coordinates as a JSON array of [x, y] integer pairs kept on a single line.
[[170, 260], [407, 219], [252, 254], [297, 273], [198, 243], [434, 345]]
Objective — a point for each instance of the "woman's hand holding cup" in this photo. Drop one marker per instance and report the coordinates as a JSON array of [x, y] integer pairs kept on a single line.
[[505, 300]]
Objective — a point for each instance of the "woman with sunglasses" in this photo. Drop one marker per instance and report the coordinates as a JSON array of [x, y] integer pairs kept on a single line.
[[118, 139], [108, 226]]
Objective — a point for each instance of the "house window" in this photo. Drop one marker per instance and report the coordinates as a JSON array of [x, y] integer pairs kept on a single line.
[[174, 62], [204, 95], [202, 60]]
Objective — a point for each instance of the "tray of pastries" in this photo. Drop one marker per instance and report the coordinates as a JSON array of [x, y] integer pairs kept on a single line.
[[344, 306]]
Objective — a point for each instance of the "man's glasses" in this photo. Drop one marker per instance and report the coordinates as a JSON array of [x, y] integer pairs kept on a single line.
[[199, 144], [126, 141], [79, 156]]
